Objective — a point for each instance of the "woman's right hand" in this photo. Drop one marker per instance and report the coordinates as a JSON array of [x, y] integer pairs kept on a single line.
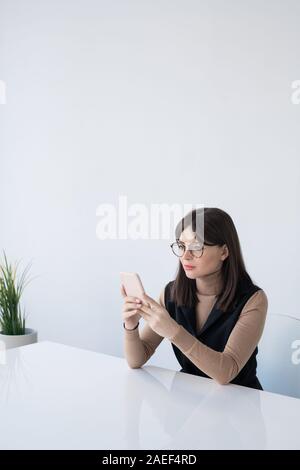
[[131, 304]]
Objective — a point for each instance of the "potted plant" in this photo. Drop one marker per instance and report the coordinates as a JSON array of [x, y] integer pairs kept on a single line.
[[13, 331]]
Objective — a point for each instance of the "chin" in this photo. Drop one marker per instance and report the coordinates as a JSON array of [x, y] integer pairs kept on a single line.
[[191, 275]]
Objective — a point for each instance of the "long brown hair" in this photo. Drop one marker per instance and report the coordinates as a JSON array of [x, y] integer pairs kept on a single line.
[[218, 229]]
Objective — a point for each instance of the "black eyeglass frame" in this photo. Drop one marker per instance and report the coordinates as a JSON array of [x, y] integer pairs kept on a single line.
[[194, 256]]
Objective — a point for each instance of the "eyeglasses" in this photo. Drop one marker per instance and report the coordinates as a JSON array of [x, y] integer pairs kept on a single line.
[[179, 249]]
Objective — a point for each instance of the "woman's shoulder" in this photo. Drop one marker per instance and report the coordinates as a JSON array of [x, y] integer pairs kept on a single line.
[[257, 301]]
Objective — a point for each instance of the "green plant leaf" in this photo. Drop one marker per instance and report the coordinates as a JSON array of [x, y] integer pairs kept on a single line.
[[12, 319]]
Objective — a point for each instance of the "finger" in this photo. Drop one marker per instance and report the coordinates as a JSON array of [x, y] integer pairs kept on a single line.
[[149, 300], [131, 306], [147, 310]]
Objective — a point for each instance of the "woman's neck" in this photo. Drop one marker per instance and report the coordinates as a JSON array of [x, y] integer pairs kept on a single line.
[[210, 284]]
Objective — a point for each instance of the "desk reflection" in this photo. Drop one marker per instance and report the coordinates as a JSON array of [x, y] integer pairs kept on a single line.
[[15, 376], [170, 404]]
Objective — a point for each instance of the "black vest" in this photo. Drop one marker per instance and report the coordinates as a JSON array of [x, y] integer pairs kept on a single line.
[[215, 331]]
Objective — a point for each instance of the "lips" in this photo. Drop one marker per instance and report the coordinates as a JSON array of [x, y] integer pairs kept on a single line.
[[188, 266]]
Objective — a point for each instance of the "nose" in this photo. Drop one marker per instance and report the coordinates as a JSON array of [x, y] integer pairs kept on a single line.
[[190, 256]]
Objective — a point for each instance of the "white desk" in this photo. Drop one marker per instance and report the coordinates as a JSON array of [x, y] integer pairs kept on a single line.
[[59, 397]]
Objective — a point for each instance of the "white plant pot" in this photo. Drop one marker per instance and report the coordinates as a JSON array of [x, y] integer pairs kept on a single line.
[[15, 341]]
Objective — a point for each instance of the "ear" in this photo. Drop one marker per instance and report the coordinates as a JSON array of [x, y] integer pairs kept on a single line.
[[225, 252]]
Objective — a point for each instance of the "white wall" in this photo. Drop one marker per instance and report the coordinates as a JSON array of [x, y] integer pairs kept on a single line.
[[161, 101]]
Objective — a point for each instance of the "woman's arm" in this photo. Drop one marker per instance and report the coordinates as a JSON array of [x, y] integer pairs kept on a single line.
[[139, 347], [224, 366]]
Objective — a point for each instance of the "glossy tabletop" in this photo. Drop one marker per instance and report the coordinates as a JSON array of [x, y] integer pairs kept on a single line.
[[54, 396]]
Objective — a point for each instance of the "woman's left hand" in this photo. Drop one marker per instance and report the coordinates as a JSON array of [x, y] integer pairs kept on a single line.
[[157, 317]]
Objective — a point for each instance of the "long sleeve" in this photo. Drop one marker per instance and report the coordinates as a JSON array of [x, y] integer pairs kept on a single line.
[[140, 346], [224, 366]]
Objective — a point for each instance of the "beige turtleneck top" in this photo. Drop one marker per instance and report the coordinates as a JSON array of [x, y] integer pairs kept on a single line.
[[221, 366]]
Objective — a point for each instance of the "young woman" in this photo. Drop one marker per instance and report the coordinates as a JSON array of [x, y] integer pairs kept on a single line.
[[212, 312]]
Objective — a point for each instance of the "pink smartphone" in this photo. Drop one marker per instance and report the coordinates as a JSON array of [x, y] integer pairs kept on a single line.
[[132, 284]]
